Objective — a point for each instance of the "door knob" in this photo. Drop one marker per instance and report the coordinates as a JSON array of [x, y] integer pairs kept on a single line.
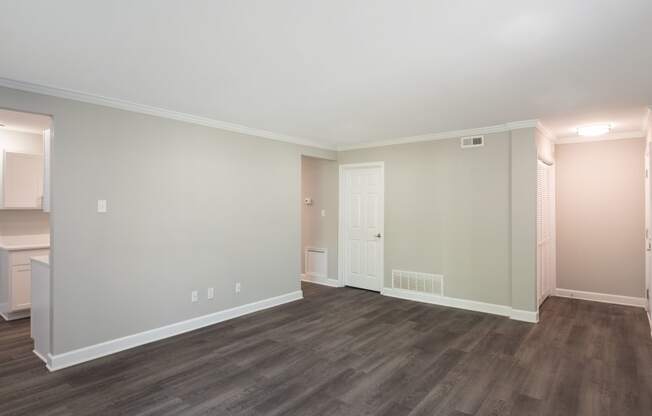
[[378, 235]]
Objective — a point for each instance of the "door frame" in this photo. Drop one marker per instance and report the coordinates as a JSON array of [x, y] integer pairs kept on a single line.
[[648, 225], [341, 235]]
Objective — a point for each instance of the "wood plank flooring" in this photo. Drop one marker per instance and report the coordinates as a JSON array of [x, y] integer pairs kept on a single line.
[[353, 352]]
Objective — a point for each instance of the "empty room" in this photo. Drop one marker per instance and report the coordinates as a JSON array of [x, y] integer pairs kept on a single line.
[[325, 208]]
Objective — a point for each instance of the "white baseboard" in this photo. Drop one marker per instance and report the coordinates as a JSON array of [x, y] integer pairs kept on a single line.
[[600, 297], [10, 316], [525, 316], [41, 357], [472, 305], [67, 359], [320, 280]]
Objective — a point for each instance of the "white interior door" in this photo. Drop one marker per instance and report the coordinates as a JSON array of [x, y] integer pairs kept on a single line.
[[362, 225]]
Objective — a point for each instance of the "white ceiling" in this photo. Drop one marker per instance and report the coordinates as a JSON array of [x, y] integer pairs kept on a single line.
[[340, 71], [25, 122]]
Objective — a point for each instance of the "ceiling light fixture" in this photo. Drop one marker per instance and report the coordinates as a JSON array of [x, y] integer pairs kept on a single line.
[[594, 130]]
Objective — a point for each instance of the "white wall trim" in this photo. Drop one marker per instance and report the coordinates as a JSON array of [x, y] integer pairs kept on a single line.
[[524, 316], [155, 111], [12, 316], [321, 280], [499, 128], [42, 358], [472, 305], [611, 136], [67, 359], [600, 297], [546, 132]]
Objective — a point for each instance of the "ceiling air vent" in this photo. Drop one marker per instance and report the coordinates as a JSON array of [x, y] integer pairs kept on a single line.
[[472, 141]]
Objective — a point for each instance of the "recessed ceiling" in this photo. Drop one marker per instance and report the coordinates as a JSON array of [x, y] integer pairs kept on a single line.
[[340, 72], [25, 122]]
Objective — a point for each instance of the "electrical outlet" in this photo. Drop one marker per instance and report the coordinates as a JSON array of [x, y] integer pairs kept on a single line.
[[211, 293], [237, 287], [194, 296]]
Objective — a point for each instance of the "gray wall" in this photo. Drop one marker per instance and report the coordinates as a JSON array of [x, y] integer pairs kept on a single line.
[[469, 214], [601, 217], [320, 181], [523, 213], [189, 207]]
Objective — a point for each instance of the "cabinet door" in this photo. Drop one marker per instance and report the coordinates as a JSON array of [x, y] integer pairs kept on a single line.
[[22, 180], [21, 287]]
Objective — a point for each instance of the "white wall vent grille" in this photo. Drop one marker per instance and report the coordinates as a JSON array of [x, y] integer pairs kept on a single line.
[[418, 282], [472, 141], [316, 262]]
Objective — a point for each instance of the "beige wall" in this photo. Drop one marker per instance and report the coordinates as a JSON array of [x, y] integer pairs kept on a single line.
[[451, 211], [319, 180], [28, 222], [19, 222], [601, 217]]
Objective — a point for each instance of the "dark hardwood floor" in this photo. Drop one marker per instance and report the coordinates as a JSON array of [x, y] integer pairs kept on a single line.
[[352, 352]]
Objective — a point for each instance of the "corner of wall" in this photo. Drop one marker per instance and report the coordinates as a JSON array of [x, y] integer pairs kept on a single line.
[[523, 209]]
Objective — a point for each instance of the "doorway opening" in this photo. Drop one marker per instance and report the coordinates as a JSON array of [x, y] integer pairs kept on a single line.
[[25, 140], [319, 217], [593, 208]]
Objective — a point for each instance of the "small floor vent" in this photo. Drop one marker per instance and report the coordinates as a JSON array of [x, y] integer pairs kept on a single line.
[[418, 282]]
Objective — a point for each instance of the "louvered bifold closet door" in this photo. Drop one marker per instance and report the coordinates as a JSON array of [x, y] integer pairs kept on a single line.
[[545, 230]]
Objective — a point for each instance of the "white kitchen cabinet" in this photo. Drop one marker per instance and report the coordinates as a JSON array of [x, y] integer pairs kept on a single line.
[[22, 181], [16, 280], [20, 283]]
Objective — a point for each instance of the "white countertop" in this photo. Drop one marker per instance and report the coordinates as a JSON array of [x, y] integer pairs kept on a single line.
[[42, 259], [25, 242]]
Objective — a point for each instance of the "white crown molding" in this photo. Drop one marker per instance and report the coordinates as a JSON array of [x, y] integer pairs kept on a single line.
[[611, 136], [156, 111], [92, 352], [499, 128], [546, 132]]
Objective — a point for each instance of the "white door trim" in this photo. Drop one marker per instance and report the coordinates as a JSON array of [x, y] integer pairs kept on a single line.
[[341, 229]]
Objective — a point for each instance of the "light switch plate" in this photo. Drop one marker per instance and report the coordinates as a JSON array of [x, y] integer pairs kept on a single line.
[[194, 297], [237, 287], [211, 293], [323, 212], [101, 206]]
